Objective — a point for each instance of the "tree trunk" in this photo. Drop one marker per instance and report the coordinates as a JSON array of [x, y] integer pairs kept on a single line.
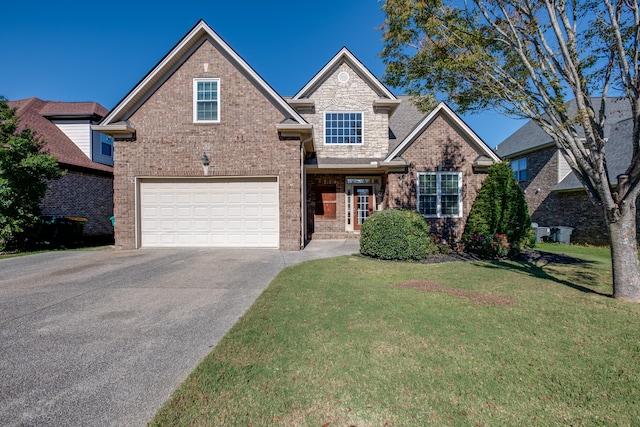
[[624, 256]]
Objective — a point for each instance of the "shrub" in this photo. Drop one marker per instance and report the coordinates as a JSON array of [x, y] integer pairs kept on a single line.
[[489, 246], [24, 171], [395, 234], [500, 208]]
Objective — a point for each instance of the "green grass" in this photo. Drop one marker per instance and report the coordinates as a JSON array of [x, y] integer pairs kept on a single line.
[[334, 343], [25, 253]]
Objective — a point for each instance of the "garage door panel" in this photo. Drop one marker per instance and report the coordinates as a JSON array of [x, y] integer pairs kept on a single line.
[[252, 211], [222, 212], [235, 211], [200, 212], [268, 211]]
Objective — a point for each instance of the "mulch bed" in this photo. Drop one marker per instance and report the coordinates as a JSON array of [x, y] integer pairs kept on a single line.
[[527, 255]]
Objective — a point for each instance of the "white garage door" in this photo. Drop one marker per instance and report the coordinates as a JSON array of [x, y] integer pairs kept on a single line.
[[220, 212]]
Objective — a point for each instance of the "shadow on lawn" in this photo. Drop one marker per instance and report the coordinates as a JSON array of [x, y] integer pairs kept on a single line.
[[535, 267]]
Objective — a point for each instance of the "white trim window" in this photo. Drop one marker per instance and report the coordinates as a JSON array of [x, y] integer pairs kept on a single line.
[[439, 194], [343, 127], [206, 100], [519, 168]]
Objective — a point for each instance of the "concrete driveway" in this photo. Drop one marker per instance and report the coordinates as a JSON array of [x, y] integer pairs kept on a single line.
[[99, 338]]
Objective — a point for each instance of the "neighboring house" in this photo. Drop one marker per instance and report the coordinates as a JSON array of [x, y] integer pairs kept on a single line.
[[86, 156], [555, 196], [208, 154]]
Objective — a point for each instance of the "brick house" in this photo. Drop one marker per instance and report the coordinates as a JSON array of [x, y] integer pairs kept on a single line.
[[208, 154], [86, 189], [555, 196]]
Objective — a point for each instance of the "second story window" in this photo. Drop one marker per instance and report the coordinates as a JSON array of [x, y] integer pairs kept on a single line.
[[343, 128], [206, 100], [519, 167]]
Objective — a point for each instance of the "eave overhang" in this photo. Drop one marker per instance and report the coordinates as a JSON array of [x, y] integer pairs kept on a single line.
[[122, 130], [388, 105], [301, 103], [301, 131], [482, 163], [529, 150], [398, 165]]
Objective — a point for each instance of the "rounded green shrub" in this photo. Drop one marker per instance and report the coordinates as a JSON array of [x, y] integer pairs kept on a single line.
[[395, 235]]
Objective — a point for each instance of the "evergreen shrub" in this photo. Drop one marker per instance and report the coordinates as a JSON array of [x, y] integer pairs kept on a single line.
[[395, 235], [499, 210], [489, 246]]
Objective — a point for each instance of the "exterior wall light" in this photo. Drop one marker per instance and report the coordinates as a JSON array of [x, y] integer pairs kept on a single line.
[[205, 163]]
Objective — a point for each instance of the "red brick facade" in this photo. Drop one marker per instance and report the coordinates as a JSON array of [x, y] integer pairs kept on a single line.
[[244, 143], [261, 134], [83, 195], [568, 208], [441, 146]]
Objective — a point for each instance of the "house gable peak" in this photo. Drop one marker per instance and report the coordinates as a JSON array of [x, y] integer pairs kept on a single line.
[[199, 34], [485, 154], [344, 56]]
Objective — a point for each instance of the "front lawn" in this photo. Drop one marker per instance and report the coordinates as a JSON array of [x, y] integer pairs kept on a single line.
[[352, 341]]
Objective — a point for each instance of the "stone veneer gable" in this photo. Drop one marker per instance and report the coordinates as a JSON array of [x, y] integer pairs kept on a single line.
[[353, 95]]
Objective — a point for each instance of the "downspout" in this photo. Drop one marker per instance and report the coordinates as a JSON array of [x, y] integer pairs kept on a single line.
[[303, 193]]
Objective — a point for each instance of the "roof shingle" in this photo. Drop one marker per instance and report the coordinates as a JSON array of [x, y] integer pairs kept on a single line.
[[30, 112]]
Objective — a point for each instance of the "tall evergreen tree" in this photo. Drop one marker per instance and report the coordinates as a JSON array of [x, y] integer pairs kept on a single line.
[[500, 207], [24, 171]]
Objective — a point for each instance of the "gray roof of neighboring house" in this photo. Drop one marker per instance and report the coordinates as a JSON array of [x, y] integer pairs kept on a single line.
[[403, 121], [618, 152], [531, 137]]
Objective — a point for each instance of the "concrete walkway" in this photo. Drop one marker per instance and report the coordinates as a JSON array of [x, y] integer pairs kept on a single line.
[[102, 338], [317, 249]]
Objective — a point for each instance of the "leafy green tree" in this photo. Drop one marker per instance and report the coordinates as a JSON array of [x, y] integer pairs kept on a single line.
[[528, 58], [24, 171], [500, 208]]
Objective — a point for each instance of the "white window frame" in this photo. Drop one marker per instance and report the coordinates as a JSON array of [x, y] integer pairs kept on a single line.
[[195, 100], [326, 113], [438, 176], [516, 167]]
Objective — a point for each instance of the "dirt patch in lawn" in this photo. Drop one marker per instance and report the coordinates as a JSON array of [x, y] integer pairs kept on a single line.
[[483, 299]]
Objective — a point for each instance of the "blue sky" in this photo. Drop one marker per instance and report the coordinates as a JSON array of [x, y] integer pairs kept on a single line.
[[97, 51]]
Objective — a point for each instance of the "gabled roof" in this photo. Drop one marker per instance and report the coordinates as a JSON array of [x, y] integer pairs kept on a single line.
[[619, 148], [56, 109], [344, 55], [30, 111], [530, 137], [442, 108], [403, 121], [165, 68]]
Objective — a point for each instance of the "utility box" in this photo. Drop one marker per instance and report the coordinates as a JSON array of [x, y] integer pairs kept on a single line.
[[60, 231], [542, 233], [563, 235]]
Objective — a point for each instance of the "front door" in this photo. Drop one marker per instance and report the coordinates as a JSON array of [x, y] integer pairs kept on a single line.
[[362, 205]]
